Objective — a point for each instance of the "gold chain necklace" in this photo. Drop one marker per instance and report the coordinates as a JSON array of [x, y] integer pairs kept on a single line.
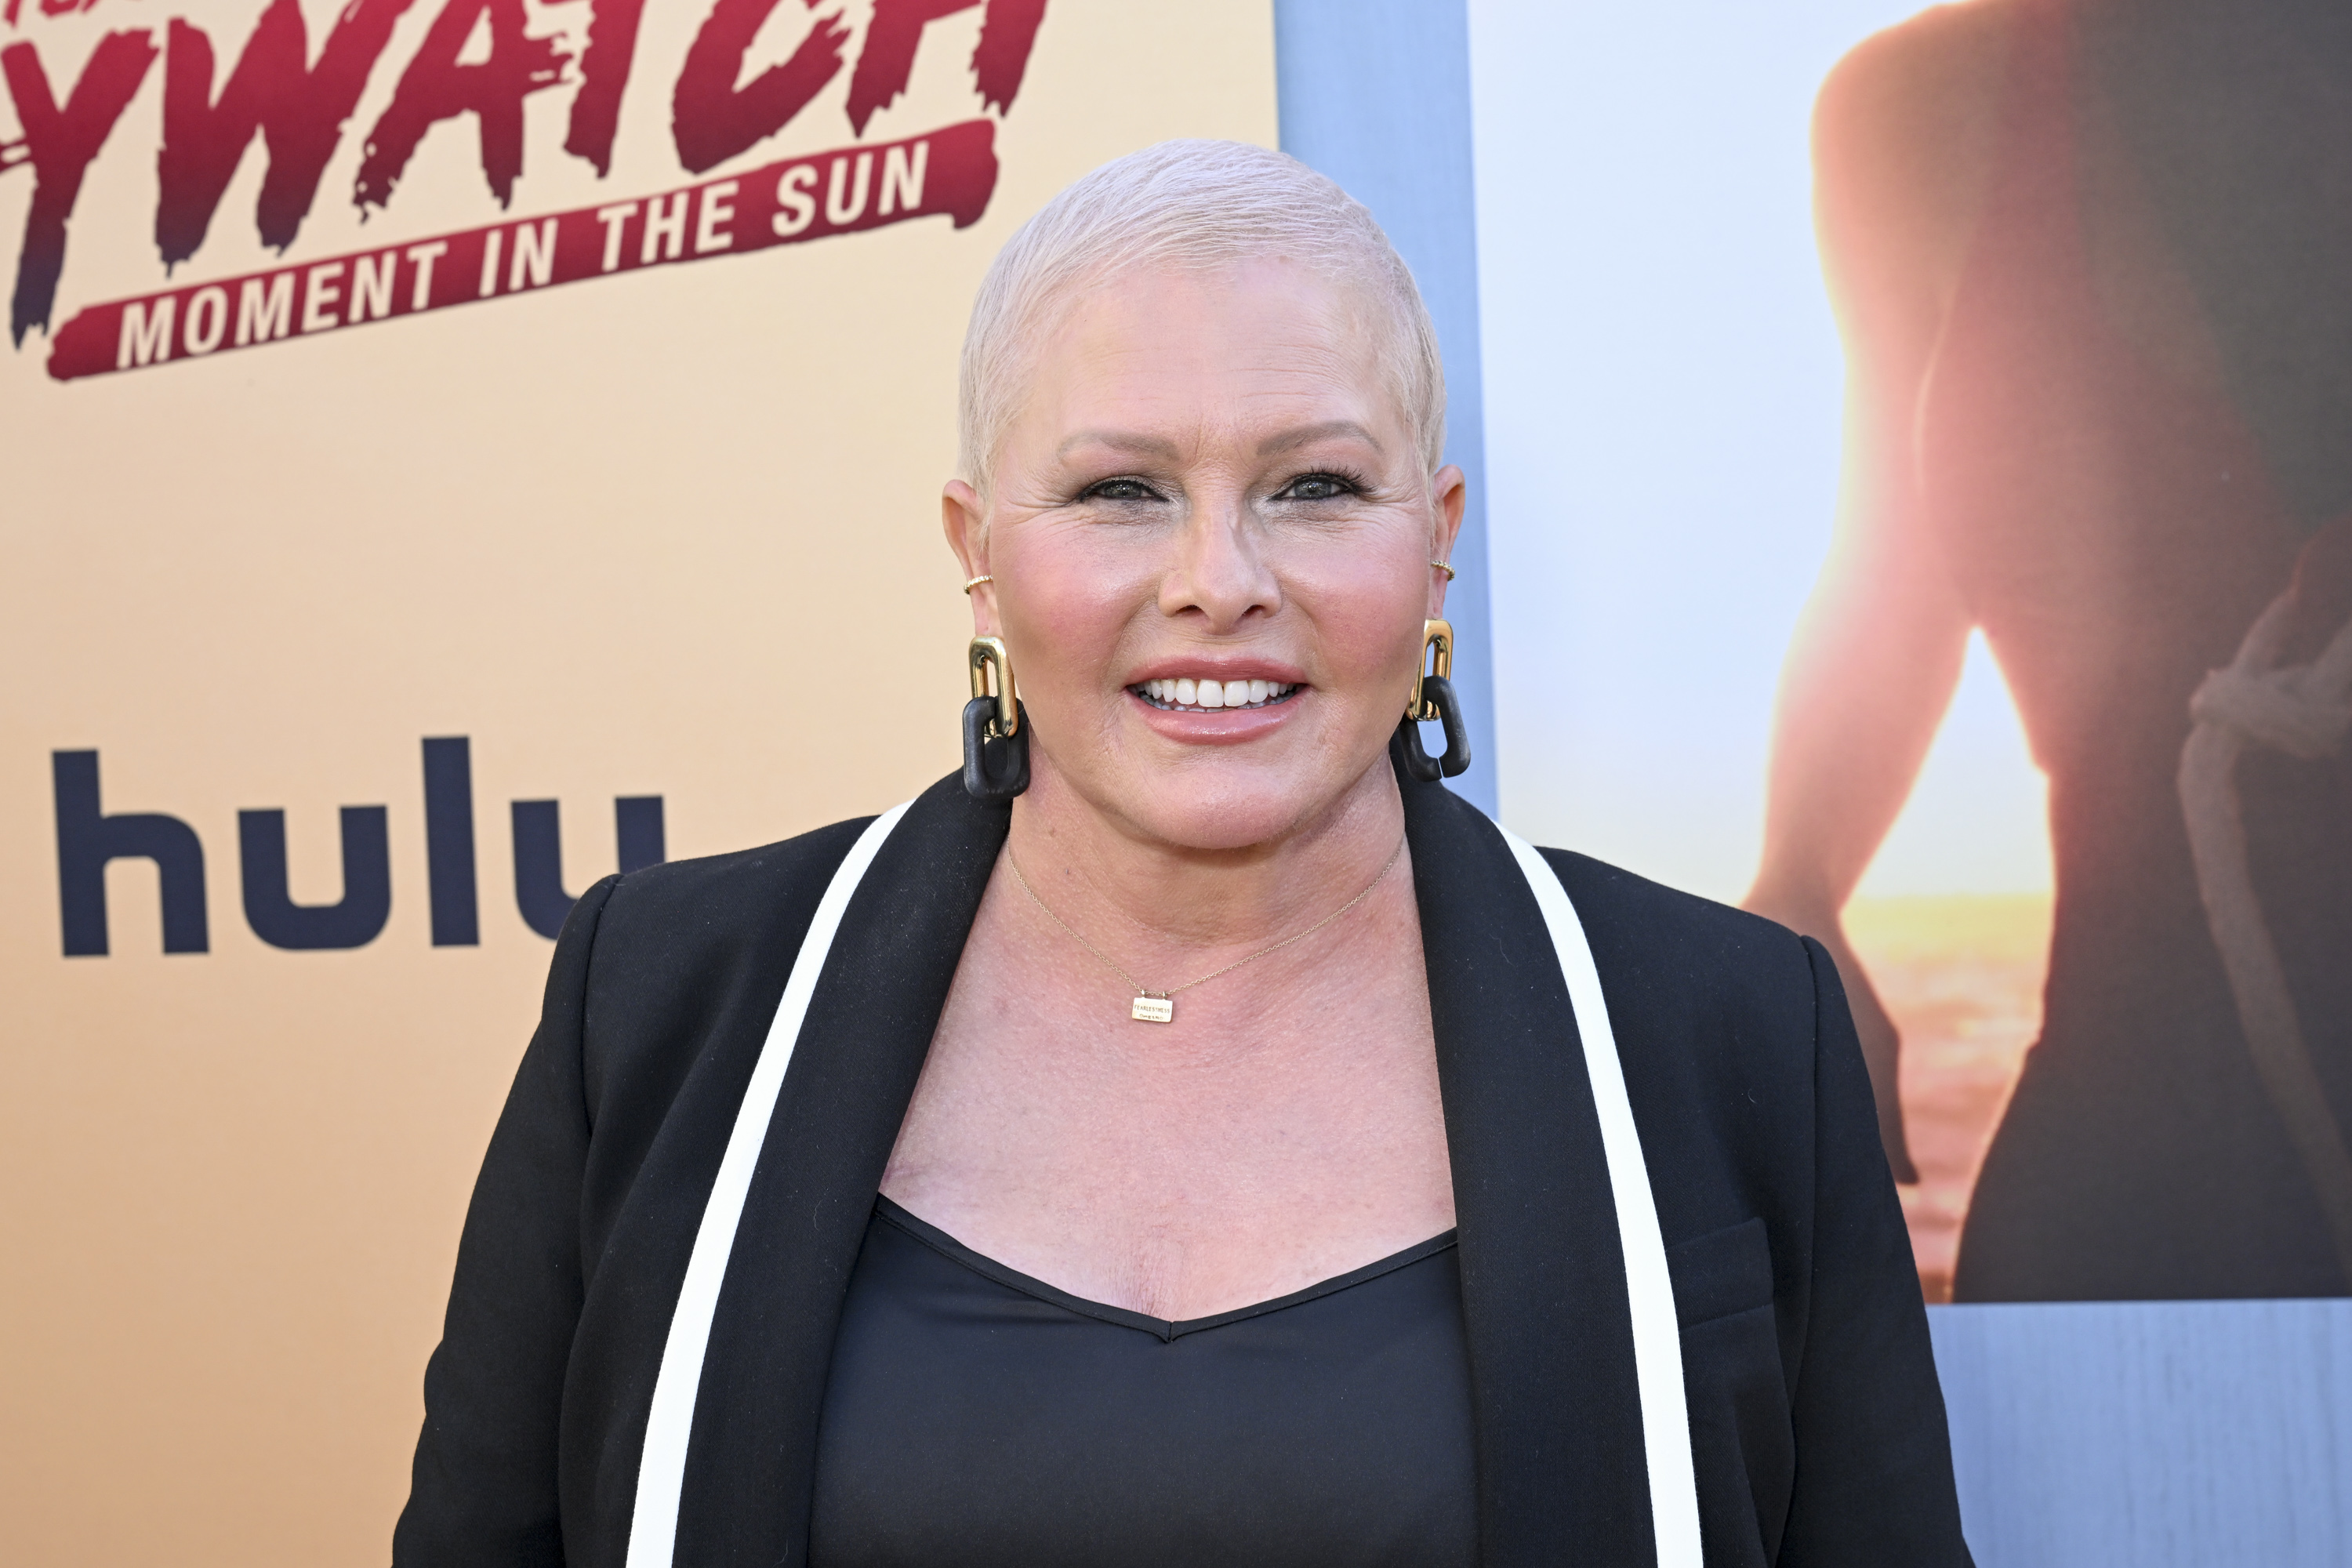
[[1160, 1007]]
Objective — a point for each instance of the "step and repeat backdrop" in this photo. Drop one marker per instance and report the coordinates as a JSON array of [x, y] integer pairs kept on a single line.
[[453, 450], [1916, 494]]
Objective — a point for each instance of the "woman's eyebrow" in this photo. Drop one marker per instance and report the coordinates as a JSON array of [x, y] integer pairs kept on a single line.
[[1307, 435], [1120, 441]]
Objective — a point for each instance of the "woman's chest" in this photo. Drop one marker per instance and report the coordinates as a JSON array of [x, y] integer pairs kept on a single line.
[[974, 1416], [1176, 1181]]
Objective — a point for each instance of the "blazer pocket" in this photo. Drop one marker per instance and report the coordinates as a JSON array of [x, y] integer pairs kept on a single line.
[[1721, 1273], [1743, 1445]]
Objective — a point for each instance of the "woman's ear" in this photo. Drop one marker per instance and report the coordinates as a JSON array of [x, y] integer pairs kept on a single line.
[[1449, 492], [965, 522]]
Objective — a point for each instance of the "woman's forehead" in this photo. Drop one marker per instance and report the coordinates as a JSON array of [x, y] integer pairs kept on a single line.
[[1225, 305], [1269, 349]]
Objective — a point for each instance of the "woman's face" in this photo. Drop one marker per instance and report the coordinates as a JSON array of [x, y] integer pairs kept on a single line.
[[1208, 497]]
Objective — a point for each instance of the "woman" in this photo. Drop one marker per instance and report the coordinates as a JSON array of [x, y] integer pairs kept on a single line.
[[1217, 1149]]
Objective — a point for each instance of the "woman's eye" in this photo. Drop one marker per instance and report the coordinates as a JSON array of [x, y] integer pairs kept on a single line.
[[1316, 486], [1119, 490]]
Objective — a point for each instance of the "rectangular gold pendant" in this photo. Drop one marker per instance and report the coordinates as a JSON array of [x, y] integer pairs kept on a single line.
[[1153, 1010]]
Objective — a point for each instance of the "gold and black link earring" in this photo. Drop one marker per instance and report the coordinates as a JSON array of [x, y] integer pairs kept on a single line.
[[995, 741], [1433, 701]]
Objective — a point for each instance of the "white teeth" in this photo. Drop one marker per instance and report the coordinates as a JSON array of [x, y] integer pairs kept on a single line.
[[1216, 694]]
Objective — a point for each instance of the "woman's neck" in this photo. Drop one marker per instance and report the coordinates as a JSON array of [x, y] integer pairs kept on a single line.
[[1140, 896]]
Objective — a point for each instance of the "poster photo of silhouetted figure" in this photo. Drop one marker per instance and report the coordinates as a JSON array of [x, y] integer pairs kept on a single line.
[[2092, 265]]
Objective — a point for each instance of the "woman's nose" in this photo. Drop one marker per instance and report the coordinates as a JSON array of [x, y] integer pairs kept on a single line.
[[1221, 571]]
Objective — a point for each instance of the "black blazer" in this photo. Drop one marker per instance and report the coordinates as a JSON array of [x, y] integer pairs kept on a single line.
[[1816, 1425]]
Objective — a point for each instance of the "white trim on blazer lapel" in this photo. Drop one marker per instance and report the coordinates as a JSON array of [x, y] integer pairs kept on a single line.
[[661, 1467], [1649, 1288]]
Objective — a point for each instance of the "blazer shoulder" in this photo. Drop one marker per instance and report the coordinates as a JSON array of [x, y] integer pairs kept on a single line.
[[1665, 952], [673, 941], [681, 954], [1610, 895], [707, 899]]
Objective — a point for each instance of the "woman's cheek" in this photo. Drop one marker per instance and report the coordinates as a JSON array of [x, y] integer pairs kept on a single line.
[[1064, 652], [1369, 638], [1067, 620]]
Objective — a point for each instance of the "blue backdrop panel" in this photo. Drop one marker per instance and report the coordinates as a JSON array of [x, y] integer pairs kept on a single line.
[[2151, 1434]]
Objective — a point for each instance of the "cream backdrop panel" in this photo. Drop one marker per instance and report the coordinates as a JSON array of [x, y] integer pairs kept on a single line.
[[671, 532]]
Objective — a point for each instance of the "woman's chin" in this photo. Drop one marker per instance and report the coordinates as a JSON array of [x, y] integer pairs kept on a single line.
[[1230, 799], [1215, 831]]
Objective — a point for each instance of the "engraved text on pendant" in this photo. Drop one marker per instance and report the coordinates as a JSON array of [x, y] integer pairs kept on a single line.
[[1153, 1010]]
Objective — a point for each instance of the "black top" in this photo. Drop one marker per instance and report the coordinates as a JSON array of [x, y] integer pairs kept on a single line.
[[1816, 1429], [976, 1416]]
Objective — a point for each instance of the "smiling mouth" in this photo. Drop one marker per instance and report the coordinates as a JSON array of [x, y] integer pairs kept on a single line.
[[1188, 696]]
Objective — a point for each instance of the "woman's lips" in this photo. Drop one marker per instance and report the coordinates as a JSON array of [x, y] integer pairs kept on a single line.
[[1189, 694], [1192, 723]]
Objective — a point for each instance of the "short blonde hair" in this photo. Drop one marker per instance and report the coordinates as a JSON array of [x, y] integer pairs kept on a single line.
[[1195, 205]]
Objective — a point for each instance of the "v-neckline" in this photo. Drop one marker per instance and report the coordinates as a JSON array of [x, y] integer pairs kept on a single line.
[[1166, 1329]]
